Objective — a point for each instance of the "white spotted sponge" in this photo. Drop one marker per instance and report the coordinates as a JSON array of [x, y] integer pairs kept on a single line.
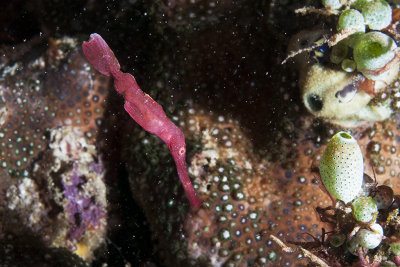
[[342, 167]]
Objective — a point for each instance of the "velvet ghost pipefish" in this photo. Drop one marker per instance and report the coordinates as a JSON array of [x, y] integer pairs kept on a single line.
[[142, 108]]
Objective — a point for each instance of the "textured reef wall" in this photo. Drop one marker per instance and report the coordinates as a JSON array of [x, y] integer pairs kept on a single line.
[[247, 198], [51, 172]]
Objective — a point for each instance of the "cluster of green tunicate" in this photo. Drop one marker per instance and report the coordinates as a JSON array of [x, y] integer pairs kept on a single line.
[[365, 212], [376, 14], [372, 50], [341, 169]]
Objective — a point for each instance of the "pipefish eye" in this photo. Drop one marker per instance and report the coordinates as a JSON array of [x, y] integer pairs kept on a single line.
[[182, 151]]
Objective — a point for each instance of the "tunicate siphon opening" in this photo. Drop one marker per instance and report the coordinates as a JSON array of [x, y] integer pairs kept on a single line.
[[314, 102], [345, 135]]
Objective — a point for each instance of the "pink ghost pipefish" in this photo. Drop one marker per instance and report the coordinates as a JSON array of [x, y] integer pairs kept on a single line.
[[142, 108]]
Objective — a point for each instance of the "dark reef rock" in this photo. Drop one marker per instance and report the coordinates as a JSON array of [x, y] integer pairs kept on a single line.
[[21, 247]]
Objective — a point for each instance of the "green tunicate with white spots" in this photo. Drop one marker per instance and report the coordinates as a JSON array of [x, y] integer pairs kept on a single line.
[[358, 4], [377, 14], [342, 167], [373, 51], [351, 19], [371, 239], [364, 209], [366, 238]]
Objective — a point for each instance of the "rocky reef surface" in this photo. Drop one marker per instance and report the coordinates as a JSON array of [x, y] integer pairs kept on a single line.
[[52, 176], [252, 147], [247, 197]]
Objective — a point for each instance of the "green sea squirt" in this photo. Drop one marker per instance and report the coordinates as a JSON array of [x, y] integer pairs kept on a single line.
[[341, 167], [364, 209]]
